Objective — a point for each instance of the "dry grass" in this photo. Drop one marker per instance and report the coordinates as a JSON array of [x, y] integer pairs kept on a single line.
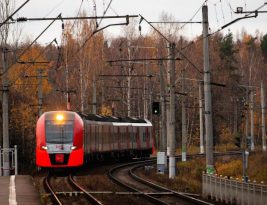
[[189, 173]]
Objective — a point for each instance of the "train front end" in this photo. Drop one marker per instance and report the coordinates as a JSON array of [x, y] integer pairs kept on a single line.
[[59, 140]]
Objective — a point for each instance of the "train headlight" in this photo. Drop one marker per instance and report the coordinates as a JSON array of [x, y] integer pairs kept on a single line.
[[44, 147], [59, 117], [73, 147]]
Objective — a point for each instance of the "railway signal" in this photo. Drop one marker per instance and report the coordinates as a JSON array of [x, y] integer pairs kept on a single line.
[[156, 108]]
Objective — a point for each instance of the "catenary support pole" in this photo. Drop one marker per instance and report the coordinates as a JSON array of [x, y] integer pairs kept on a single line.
[[94, 95], [184, 134], [40, 91], [129, 83], [163, 109], [16, 159], [6, 166], [81, 86], [201, 132], [163, 141], [252, 120], [247, 114], [171, 133], [263, 128], [207, 95]]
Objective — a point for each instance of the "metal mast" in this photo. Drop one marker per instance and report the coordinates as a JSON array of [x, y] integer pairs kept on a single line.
[[171, 133], [207, 95]]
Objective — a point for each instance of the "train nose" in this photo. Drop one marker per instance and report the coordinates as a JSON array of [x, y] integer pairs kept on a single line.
[[59, 158]]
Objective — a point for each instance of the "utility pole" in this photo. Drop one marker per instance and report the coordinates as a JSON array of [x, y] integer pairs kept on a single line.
[[201, 133], [163, 143], [40, 91], [184, 134], [81, 87], [252, 120], [247, 121], [171, 133], [145, 92], [129, 84], [207, 95], [161, 156], [6, 165], [94, 95], [263, 129]]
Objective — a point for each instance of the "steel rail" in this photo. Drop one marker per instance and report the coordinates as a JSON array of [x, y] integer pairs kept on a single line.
[[47, 185], [119, 182], [89, 196], [161, 188]]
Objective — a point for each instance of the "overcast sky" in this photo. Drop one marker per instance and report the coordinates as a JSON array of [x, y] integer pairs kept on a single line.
[[221, 12]]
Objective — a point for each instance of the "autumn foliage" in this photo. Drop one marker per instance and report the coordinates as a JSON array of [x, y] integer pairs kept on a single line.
[[70, 67]]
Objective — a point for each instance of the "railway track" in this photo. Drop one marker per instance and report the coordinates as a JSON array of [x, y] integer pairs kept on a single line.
[[124, 176], [77, 193]]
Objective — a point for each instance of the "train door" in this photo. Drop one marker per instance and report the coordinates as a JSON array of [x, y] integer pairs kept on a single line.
[[100, 137], [96, 138], [138, 136], [115, 138], [85, 138], [142, 134], [123, 140], [112, 134], [119, 138], [93, 141], [105, 138], [109, 136], [134, 137], [147, 137], [128, 136]]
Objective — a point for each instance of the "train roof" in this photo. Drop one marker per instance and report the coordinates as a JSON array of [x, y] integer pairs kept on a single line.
[[101, 118]]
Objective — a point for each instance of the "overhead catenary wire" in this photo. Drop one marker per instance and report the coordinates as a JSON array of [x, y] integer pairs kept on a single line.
[[224, 26], [164, 37], [24, 51], [222, 11], [10, 17], [54, 8], [78, 13], [193, 15]]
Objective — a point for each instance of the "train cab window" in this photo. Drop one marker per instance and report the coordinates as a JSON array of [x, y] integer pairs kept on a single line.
[[59, 133]]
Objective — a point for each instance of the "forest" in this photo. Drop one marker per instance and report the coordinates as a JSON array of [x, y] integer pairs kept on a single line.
[[124, 73]]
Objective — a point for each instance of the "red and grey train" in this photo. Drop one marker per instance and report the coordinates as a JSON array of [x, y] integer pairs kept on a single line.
[[70, 139]]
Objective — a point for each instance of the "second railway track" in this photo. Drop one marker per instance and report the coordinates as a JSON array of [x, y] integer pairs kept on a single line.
[[124, 176]]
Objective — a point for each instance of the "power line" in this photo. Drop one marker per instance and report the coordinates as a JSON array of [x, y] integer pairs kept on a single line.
[[179, 51], [77, 15], [54, 8], [255, 12], [10, 17], [24, 51], [193, 15], [23, 19]]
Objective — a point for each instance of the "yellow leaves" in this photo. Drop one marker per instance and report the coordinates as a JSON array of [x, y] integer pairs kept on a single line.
[[246, 38], [22, 117], [231, 168], [106, 110], [226, 135]]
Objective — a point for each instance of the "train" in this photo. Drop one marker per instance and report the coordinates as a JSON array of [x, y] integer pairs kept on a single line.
[[72, 139]]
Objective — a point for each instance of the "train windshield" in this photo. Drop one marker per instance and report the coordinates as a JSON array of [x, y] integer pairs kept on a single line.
[[59, 133]]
